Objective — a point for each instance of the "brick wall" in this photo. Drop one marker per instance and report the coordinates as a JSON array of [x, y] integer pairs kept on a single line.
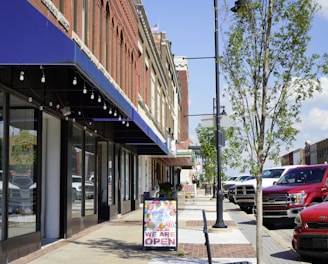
[[115, 21]]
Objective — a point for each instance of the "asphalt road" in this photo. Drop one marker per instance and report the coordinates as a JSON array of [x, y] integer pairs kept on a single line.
[[283, 234]]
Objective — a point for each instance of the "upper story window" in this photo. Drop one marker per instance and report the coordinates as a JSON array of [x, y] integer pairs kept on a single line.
[[152, 93], [106, 55], [84, 20]]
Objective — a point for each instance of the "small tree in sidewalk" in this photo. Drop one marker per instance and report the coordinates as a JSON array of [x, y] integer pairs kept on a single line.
[[269, 75], [206, 137], [207, 141]]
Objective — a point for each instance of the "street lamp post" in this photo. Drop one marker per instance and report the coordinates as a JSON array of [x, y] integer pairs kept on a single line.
[[219, 196], [219, 135]]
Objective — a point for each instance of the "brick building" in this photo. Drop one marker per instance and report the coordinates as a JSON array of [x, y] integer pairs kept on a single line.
[[89, 111]]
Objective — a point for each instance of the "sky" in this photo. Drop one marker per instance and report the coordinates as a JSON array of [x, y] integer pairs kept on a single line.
[[189, 25]]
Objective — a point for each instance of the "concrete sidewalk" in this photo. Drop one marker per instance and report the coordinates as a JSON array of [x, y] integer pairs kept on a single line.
[[120, 241]]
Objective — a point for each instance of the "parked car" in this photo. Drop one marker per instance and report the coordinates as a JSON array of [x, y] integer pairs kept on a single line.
[[227, 184], [77, 188], [310, 237], [22, 195], [298, 188], [245, 192], [240, 180]]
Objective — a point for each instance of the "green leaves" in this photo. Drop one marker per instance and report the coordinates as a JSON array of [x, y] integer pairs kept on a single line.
[[207, 140], [269, 74]]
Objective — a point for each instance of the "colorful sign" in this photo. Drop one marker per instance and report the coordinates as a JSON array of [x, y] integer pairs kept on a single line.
[[190, 188], [160, 223], [189, 191]]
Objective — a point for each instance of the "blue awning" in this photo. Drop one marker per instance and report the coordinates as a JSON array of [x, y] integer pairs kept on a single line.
[[29, 38]]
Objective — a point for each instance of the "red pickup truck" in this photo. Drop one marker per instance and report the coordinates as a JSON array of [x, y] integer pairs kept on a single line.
[[310, 238], [298, 188]]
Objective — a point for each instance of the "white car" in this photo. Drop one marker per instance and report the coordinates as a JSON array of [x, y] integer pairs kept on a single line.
[[227, 184], [22, 194], [77, 188], [239, 181]]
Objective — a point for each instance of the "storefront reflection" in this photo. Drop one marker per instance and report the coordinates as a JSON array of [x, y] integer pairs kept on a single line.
[[22, 185]]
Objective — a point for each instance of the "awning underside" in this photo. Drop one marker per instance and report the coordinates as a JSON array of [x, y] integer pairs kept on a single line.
[[32, 41], [184, 162]]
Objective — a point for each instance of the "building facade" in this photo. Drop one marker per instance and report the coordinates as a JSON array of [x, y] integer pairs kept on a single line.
[[88, 114], [312, 153]]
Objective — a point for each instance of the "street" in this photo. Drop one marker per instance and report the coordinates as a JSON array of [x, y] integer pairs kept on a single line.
[[282, 234]]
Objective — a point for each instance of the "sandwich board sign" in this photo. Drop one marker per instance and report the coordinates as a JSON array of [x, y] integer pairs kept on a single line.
[[160, 223]]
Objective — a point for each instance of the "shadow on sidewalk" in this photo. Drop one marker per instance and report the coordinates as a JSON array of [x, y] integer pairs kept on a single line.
[[251, 222], [125, 250], [287, 255]]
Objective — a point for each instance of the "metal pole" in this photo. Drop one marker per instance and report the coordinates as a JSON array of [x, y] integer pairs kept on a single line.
[[219, 197], [214, 184]]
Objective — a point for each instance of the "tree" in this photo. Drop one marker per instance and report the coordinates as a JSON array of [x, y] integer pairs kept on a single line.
[[207, 141], [269, 73], [206, 137]]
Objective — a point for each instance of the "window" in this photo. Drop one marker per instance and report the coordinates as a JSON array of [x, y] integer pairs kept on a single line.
[[1, 159], [158, 105], [106, 55], [105, 171], [61, 6], [135, 177], [127, 175], [75, 15], [100, 31], [163, 124], [145, 95], [22, 190], [121, 62], [77, 172], [131, 86], [83, 173], [139, 67], [152, 94], [110, 179], [89, 161], [93, 25]]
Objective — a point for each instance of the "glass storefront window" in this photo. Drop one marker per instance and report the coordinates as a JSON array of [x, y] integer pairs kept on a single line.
[[127, 176], [135, 177], [110, 179], [105, 169], [90, 174], [1, 159], [122, 175], [22, 187], [77, 172]]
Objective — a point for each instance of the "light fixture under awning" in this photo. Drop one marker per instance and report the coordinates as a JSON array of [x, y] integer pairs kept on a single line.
[[32, 39]]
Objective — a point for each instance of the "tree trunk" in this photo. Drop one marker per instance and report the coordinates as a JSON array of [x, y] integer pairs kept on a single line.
[[259, 220]]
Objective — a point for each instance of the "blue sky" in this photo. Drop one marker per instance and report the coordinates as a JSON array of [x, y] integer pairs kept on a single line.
[[189, 25]]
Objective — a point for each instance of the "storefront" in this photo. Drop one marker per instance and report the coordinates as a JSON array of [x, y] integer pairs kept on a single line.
[[69, 140]]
